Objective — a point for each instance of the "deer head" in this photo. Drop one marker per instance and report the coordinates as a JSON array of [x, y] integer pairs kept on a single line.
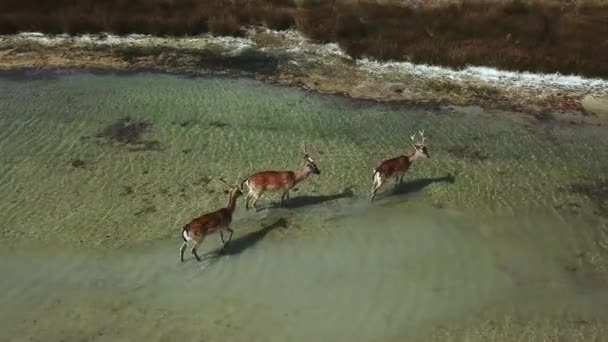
[[233, 190], [309, 162], [420, 149]]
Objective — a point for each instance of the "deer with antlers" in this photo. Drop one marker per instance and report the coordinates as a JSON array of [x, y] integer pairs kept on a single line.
[[278, 181], [219, 220], [397, 166]]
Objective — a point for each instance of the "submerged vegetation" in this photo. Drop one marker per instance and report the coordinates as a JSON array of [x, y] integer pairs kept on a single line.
[[129, 132], [536, 329], [540, 35]]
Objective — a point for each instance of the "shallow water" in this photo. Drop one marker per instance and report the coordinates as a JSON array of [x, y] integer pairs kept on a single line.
[[90, 225]]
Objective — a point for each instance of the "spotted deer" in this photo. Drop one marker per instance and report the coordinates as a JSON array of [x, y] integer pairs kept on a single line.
[[195, 232], [278, 181], [397, 166]]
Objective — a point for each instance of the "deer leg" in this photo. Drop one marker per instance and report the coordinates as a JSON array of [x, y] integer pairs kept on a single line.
[[182, 249], [222, 236], [398, 179], [229, 236], [247, 200], [195, 246], [377, 184], [283, 198], [255, 200], [373, 190]]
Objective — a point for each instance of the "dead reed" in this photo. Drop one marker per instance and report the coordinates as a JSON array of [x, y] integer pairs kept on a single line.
[[570, 37]]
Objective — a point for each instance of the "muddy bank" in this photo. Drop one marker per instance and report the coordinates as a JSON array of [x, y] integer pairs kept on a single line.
[[285, 57]]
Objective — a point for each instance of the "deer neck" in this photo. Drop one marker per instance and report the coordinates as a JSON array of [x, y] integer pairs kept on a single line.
[[231, 202], [413, 156], [302, 173]]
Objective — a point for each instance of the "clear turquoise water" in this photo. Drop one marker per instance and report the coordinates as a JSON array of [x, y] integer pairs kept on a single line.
[[90, 251]]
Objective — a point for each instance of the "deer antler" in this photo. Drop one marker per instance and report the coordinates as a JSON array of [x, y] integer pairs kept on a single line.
[[305, 149], [413, 141], [422, 136], [229, 185]]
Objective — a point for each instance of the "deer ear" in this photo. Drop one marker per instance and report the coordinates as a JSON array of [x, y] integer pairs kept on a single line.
[[226, 191]]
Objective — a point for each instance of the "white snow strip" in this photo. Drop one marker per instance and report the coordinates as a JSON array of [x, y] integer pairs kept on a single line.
[[487, 74], [136, 39]]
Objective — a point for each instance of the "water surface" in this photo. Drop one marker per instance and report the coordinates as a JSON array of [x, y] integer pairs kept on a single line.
[[99, 172]]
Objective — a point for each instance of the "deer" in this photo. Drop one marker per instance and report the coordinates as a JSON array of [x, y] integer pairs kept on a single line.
[[278, 181], [397, 166], [209, 223]]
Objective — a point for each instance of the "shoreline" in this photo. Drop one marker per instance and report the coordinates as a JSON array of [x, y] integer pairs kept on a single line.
[[286, 58]]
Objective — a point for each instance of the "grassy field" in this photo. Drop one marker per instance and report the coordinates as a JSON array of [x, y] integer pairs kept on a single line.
[[541, 35]]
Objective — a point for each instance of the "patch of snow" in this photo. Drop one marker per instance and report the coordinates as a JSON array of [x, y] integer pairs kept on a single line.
[[487, 74], [334, 49], [295, 49], [31, 34], [296, 42], [290, 34], [235, 43], [38, 37], [231, 43]]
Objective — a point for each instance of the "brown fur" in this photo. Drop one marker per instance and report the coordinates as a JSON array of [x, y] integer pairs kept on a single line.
[[210, 223], [389, 167], [272, 180], [282, 181], [396, 167]]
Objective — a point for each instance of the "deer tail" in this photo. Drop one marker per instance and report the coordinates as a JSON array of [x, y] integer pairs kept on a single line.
[[243, 184], [183, 235], [374, 174]]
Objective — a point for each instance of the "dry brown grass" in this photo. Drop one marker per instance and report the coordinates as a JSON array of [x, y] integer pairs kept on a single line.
[[545, 36], [157, 17], [570, 37]]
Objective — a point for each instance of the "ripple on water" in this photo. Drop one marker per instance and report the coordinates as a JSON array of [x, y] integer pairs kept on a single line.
[[335, 267], [386, 270]]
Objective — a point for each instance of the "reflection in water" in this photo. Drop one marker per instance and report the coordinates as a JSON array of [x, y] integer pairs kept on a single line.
[[311, 200]]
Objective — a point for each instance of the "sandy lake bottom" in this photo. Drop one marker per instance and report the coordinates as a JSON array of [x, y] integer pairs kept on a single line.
[[99, 172]]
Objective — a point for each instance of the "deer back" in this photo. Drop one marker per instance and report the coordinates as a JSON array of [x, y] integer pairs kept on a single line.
[[271, 180], [210, 222], [388, 167]]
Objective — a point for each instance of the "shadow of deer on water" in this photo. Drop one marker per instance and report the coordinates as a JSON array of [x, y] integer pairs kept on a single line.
[[417, 185], [240, 244], [310, 200]]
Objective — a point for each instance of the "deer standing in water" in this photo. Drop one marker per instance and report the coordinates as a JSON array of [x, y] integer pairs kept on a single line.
[[219, 220], [278, 181], [397, 166]]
